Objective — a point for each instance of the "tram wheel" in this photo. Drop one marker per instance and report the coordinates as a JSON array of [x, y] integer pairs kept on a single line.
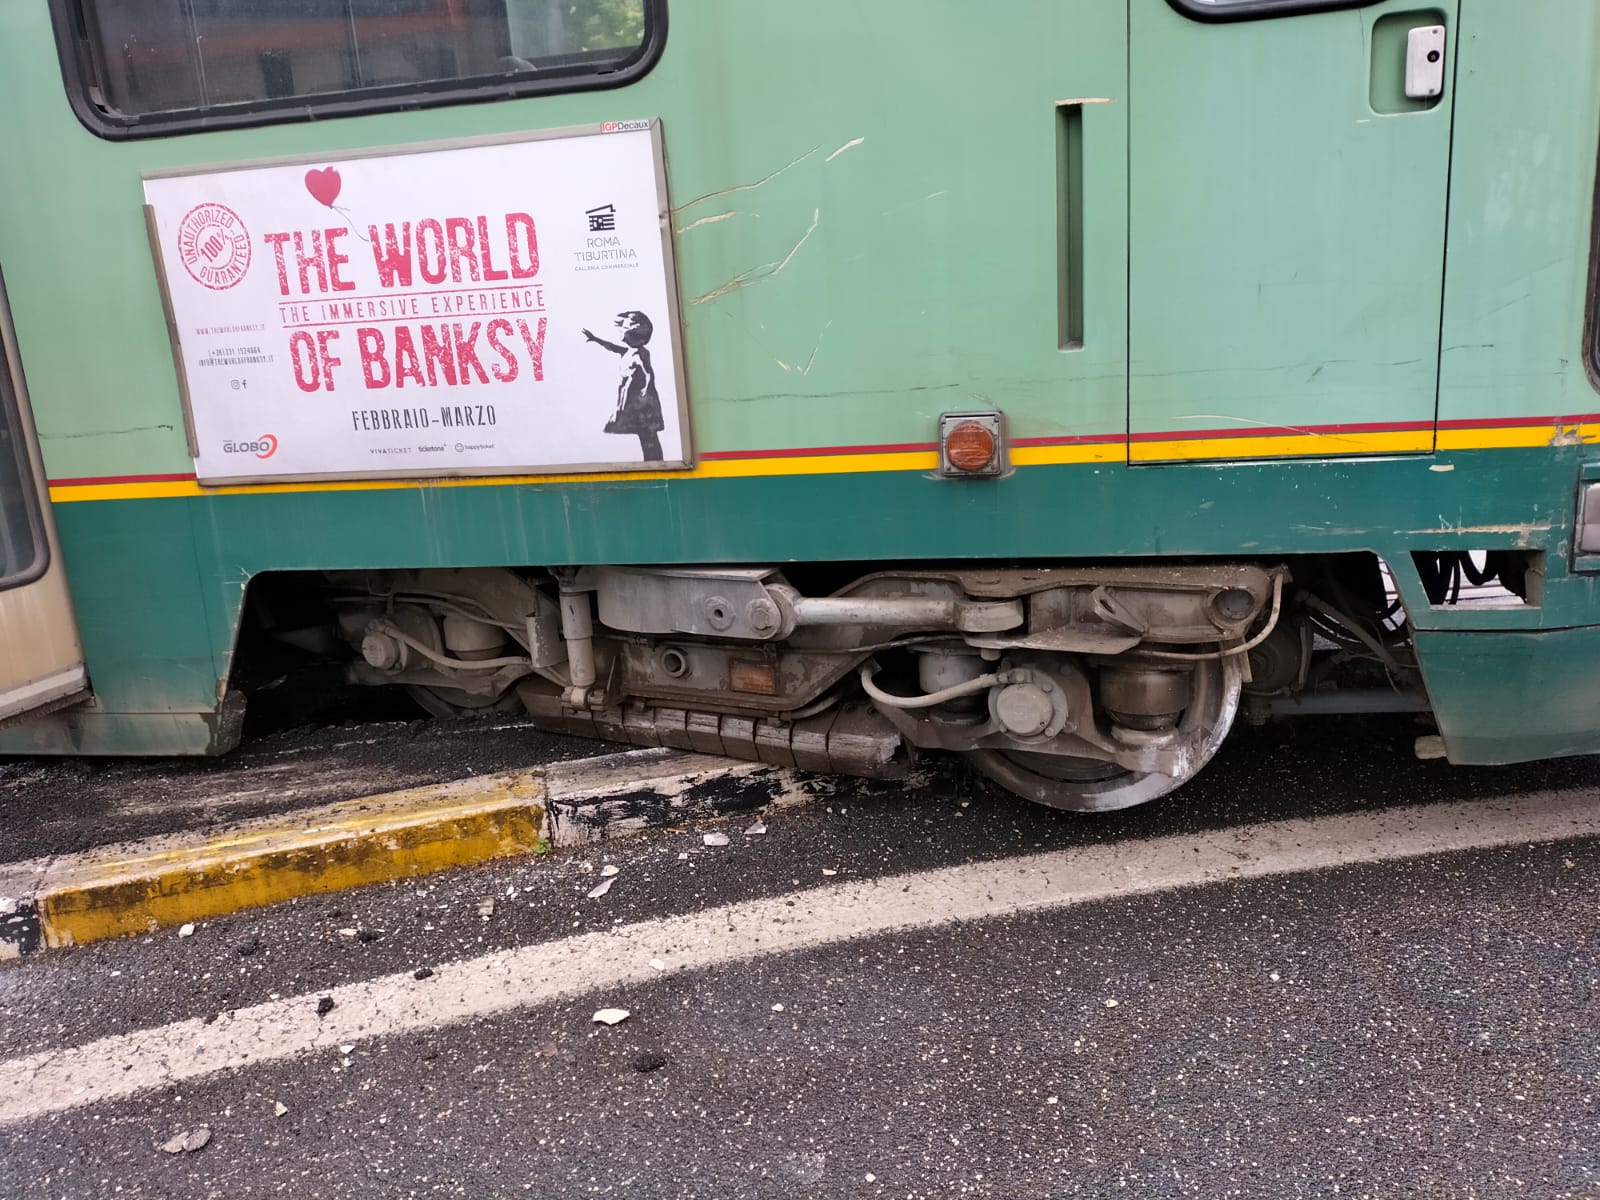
[[455, 704], [1091, 785]]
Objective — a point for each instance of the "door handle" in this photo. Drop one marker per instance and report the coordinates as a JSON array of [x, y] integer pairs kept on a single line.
[[1425, 62]]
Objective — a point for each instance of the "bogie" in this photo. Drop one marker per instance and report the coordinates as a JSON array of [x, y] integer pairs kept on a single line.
[[1083, 687]]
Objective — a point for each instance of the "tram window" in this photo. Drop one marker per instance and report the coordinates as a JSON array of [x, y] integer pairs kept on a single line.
[[22, 548], [161, 65], [1244, 10]]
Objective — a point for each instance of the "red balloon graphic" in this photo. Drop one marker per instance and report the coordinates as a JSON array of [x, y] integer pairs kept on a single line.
[[323, 184]]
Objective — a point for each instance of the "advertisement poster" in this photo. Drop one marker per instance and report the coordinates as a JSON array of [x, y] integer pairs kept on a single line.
[[500, 308]]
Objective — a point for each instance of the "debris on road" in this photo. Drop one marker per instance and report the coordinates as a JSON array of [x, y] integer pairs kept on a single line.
[[324, 1006], [368, 935], [657, 964], [777, 1008], [601, 888], [610, 869], [715, 839], [186, 929], [611, 1016], [829, 871], [486, 907], [422, 973], [279, 1108], [188, 1141], [348, 931], [548, 1050], [1430, 746], [649, 1060], [248, 946], [756, 830]]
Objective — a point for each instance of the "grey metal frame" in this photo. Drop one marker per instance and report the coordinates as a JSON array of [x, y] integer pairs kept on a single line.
[[669, 262], [14, 417]]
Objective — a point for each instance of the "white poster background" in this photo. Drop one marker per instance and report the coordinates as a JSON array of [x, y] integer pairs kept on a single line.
[[595, 198]]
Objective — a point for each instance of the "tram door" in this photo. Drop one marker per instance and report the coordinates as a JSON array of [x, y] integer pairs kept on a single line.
[[41, 660], [1289, 173]]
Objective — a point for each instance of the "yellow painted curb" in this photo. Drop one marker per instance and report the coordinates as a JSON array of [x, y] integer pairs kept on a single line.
[[393, 836]]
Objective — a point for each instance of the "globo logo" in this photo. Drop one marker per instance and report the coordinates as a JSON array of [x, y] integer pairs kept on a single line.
[[264, 446]]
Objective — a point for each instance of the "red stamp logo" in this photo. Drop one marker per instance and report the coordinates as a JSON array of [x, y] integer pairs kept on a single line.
[[214, 246]]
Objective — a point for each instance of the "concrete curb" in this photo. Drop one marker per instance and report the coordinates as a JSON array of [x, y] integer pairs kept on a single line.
[[135, 887]]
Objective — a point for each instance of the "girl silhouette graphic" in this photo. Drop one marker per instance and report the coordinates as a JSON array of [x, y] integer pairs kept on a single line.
[[638, 408]]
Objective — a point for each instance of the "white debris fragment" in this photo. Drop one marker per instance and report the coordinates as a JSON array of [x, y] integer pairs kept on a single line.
[[684, 856], [609, 870], [188, 1141], [279, 1108], [756, 830], [829, 871], [657, 965], [1429, 746], [777, 1008], [715, 839], [186, 929], [349, 931], [346, 1049], [486, 907], [600, 889], [611, 1016], [1274, 977], [1110, 1003], [871, 1178]]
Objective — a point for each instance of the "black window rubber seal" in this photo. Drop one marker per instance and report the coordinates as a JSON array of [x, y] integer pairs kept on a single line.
[[1591, 314], [1257, 10], [77, 76]]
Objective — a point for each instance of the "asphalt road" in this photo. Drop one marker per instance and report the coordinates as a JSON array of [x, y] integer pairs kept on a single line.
[[1416, 1024]]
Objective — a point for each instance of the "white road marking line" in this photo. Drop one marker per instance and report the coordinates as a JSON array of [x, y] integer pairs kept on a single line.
[[470, 989]]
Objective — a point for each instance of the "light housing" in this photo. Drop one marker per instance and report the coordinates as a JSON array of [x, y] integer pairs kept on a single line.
[[972, 445]]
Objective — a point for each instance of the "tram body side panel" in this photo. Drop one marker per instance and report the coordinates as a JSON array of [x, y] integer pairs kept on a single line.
[[159, 568]]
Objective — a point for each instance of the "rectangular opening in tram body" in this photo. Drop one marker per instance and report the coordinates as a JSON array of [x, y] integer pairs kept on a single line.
[[41, 661]]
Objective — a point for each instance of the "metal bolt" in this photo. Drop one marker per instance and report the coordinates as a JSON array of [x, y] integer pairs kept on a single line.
[[762, 615]]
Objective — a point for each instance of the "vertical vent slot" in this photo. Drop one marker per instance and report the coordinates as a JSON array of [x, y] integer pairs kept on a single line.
[[1069, 225]]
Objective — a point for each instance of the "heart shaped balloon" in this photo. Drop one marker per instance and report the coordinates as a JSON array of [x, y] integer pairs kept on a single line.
[[323, 184]]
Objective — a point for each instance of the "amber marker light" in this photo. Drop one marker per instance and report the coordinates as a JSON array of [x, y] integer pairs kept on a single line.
[[969, 447]]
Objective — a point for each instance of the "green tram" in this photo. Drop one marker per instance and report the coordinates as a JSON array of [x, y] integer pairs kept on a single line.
[[1048, 382]]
